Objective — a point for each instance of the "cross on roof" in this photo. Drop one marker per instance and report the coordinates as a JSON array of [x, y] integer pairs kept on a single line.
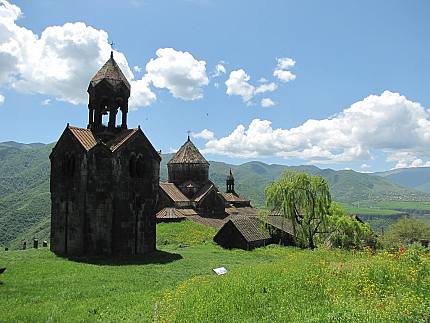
[[188, 132]]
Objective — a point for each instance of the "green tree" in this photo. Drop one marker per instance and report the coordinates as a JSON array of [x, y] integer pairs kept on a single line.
[[406, 231], [346, 231], [305, 200]]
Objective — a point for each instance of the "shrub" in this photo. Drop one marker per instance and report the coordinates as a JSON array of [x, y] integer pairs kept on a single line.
[[406, 231]]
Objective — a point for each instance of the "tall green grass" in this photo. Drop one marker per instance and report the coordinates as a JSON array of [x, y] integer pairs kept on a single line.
[[309, 286]]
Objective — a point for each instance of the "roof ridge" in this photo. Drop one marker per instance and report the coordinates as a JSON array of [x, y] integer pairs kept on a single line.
[[188, 154], [111, 71]]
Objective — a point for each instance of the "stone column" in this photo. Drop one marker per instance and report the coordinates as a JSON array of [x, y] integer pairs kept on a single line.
[[124, 110], [90, 117], [112, 118]]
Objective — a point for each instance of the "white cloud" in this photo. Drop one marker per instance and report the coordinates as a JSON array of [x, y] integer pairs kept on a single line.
[[2, 99], [237, 84], [137, 69], [267, 102], [282, 71], [46, 102], [59, 63], [266, 87], [179, 72], [204, 134], [405, 159], [388, 122], [141, 94], [219, 69]]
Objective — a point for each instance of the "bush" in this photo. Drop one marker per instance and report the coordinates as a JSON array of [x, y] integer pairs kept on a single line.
[[406, 231]]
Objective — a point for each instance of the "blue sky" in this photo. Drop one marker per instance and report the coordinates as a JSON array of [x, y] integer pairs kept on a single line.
[[359, 69]]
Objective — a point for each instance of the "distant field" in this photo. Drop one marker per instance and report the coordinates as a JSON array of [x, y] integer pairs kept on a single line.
[[387, 207], [380, 215], [368, 211], [272, 284], [404, 205]]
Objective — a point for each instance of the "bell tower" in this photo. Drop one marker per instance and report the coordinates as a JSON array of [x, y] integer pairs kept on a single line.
[[109, 92], [230, 183]]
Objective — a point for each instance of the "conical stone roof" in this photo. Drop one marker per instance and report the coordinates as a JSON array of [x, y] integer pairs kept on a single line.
[[111, 72], [188, 154]]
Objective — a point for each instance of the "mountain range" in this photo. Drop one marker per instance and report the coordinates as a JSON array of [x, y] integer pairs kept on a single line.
[[25, 197], [417, 178]]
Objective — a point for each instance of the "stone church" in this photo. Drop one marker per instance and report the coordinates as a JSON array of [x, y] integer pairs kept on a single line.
[[190, 194], [104, 178]]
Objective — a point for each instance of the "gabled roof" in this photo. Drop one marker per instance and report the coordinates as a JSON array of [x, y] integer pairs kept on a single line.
[[231, 197], [188, 212], [245, 210], [205, 190], [210, 222], [280, 223], [123, 137], [249, 227], [170, 213], [188, 154], [111, 72], [84, 136], [173, 192], [88, 141]]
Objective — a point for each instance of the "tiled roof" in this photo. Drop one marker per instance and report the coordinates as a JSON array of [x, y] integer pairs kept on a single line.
[[87, 139], [231, 210], [246, 210], [281, 223], [250, 228], [111, 72], [188, 154], [210, 222], [187, 212], [170, 213], [173, 192], [118, 141], [203, 191], [84, 136], [231, 197]]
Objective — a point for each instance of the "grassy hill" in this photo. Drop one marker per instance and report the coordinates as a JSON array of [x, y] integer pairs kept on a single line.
[[25, 199], [271, 284]]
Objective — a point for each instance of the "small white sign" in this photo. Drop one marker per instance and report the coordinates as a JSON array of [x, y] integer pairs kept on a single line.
[[220, 270]]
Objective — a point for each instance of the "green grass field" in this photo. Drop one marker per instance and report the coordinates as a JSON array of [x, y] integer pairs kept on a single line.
[[272, 284], [370, 211]]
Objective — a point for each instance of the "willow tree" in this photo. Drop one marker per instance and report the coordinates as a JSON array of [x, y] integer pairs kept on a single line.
[[305, 200]]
